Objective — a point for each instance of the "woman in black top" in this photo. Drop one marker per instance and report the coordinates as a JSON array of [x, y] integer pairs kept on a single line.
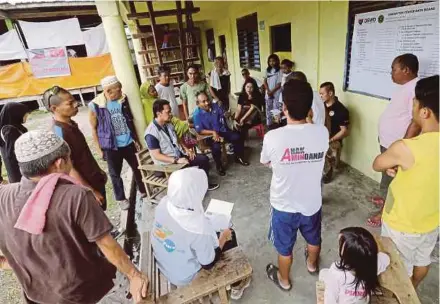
[[12, 117], [249, 103]]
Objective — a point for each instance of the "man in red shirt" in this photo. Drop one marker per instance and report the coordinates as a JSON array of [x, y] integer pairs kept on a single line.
[[51, 229]]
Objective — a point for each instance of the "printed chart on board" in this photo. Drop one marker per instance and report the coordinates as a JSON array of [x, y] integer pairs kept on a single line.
[[380, 36]]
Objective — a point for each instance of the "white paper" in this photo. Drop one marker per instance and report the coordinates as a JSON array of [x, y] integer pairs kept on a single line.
[[219, 214], [218, 206], [380, 36]]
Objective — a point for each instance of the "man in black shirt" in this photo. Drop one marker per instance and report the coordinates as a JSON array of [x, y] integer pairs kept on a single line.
[[337, 122]]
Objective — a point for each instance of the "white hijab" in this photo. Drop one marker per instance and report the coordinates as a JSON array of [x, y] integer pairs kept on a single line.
[[186, 190]]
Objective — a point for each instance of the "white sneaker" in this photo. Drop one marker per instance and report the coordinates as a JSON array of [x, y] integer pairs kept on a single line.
[[124, 205], [237, 291]]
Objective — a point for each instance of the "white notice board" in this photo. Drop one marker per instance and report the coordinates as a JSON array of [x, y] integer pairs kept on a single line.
[[380, 36]]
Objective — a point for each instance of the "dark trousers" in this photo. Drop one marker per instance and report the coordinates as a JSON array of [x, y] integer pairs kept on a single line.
[[232, 137], [104, 203], [201, 161], [114, 160]]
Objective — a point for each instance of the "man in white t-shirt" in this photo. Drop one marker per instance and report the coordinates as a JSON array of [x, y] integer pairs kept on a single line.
[[165, 90], [296, 155]]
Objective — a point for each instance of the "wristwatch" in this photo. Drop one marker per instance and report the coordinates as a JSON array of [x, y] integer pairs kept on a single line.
[[175, 160]]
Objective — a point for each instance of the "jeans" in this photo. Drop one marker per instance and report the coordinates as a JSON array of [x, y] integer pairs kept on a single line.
[[232, 137], [385, 180], [114, 160]]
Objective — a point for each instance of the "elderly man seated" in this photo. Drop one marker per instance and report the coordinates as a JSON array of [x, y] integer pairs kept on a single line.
[[51, 228], [164, 146], [209, 120]]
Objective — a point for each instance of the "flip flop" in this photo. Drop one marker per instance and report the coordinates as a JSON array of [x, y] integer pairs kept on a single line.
[[378, 201], [272, 274], [306, 255], [372, 222]]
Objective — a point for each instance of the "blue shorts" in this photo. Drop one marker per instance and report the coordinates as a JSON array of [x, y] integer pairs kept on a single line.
[[284, 227]]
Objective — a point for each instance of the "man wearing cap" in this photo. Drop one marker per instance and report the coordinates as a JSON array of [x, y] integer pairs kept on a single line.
[[84, 166], [115, 136], [51, 229]]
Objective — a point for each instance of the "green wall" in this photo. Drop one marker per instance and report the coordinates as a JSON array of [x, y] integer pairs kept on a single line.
[[319, 32]]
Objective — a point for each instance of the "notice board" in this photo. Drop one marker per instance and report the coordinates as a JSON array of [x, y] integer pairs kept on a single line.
[[380, 36]]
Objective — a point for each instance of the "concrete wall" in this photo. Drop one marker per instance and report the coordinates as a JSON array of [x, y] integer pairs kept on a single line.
[[319, 32]]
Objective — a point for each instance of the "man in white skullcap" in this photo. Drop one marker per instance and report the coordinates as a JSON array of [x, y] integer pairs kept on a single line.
[[51, 229], [115, 136]]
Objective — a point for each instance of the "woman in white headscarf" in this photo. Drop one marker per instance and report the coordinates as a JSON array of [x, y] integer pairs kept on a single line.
[[182, 237]]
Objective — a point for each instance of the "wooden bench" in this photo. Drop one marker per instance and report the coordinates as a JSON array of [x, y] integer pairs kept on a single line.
[[396, 285], [233, 267], [154, 184]]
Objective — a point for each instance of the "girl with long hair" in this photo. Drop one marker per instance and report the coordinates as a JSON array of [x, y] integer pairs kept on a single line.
[[248, 114], [354, 278], [272, 85]]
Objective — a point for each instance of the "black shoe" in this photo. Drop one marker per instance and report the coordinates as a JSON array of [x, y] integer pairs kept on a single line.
[[213, 187], [240, 161], [221, 171]]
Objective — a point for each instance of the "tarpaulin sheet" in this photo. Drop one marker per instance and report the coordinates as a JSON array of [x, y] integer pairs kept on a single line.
[[95, 41], [11, 46], [41, 35], [17, 80]]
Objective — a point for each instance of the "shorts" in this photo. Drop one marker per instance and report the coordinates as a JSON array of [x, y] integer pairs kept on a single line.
[[284, 226], [414, 248]]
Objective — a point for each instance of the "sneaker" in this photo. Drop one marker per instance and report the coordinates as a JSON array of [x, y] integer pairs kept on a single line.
[[124, 205], [237, 292], [213, 187], [229, 149], [241, 161], [117, 233], [221, 171]]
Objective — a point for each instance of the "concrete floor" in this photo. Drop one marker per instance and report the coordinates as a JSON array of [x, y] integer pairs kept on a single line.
[[345, 204]]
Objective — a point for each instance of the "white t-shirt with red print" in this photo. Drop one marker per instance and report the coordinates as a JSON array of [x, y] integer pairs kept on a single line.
[[296, 154]]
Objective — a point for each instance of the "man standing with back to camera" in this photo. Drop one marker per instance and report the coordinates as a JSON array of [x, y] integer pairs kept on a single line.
[[296, 155]]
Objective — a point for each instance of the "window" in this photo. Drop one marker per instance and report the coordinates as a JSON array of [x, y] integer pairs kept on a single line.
[[248, 43], [210, 41], [358, 7], [281, 38]]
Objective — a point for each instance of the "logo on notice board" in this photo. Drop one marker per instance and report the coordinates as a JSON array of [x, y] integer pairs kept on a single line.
[[367, 20], [381, 19]]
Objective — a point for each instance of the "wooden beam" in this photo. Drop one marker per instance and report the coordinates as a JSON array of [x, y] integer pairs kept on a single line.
[[164, 13], [154, 29], [31, 15], [181, 33], [4, 15]]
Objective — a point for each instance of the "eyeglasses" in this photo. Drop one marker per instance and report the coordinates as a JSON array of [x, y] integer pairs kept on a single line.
[[52, 91]]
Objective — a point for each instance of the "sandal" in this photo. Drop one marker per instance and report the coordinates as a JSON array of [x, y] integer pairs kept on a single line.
[[316, 271], [374, 222], [272, 274], [377, 200]]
